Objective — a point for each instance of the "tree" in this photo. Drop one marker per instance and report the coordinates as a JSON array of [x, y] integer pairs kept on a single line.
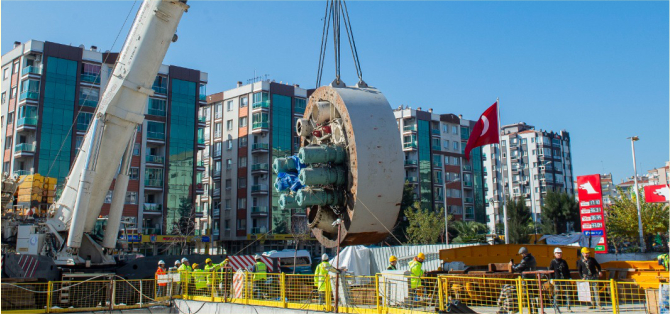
[[559, 209], [183, 227], [425, 225], [300, 231], [622, 221], [469, 231], [398, 236], [519, 222]]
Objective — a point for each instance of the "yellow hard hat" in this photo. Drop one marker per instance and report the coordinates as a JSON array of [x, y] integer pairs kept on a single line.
[[421, 255], [393, 258], [209, 260], [586, 250], [195, 265]]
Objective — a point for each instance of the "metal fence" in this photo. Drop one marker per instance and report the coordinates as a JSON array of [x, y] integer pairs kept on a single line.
[[379, 294]]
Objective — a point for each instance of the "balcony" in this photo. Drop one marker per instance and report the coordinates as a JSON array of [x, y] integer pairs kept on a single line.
[[438, 181], [260, 127], [153, 159], [259, 211], [153, 208], [260, 168], [257, 230], [259, 189], [467, 183], [439, 199], [216, 173], [159, 136], [151, 231], [91, 78], [261, 105], [24, 148], [260, 148], [202, 97], [435, 132], [23, 172], [409, 146], [437, 147], [467, 168], [412, 180], [437, 164], [31, 70], [411, 163], [202, 120], [200, 165], [465, 136], [33, 95], [156, 112], [26, 122], [153, 183], [469, 200], [216, 192], [409, 128], [216, 212]]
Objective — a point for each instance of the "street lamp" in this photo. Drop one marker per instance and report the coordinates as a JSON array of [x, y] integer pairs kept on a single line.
[[446, 209], [633, 139]]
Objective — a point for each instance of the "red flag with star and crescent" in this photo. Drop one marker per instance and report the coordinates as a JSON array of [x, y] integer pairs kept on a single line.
[[485, 130]]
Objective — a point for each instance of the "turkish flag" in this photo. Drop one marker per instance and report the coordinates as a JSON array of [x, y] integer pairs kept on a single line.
[[485, 130]]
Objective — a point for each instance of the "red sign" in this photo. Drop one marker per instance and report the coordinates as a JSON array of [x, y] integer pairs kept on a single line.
[[656, 194], [591, 212]]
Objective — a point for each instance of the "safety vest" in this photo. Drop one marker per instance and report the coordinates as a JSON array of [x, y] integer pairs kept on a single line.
[[200, 278], [211, 270], [391, 267], [416, 272], [321, 276], [184, 272], [665, 259], [160, 271], [261, 271]]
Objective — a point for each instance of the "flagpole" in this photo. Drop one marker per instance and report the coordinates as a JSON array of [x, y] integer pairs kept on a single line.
[[504, 199]]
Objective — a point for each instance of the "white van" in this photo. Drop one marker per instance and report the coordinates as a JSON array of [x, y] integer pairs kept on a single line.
[[286, 258]]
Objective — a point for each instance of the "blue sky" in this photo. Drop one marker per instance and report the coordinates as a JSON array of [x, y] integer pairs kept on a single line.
[[596, 69]]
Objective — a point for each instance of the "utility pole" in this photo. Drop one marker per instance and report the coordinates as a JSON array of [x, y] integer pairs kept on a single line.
[[643, 247]]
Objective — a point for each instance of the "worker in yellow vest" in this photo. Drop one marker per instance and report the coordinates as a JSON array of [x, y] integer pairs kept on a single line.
[[211, 269], [199, 277], [260, 276], [415, 280], [184, 270], [393, 261]]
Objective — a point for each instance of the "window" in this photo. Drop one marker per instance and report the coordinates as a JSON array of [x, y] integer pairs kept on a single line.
[[79, 140], [241, 203], [229, 125], [229, 142], [217, 129], [229, 184], [10, 117], [446, 144], [15, 69], [155, 130], [229, 163], [241, 224], [523, 141], [229, 105], [457, 161], [88, 96], [134, 173], [131, 198], [242, 163], [156, 107], [5, 73], [84, 120], [445, 128], [108, 198], [217, 111], [244, 101], [227, 204], [243, 141], [241, 183], [455, 146], [136, 149], [4, 97], [243, 122], [532, 140], [8, 142], [12, 92], [454, 129], [160, 84], [300, 105]]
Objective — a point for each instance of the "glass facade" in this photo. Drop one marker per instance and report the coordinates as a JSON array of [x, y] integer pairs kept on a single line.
[[58, 114], [282, 131], [478, 185], [425, 170], [181, 152]]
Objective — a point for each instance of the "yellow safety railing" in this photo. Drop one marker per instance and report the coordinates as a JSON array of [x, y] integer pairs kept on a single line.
[[379, 294]]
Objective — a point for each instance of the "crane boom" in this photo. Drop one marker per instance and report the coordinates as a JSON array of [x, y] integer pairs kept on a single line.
[[111, 136]]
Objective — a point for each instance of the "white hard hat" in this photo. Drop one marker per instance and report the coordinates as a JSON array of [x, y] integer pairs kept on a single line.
[[257, 257], [324, 257], [177, 262], [161, 262], [558, 250], [183, 260]]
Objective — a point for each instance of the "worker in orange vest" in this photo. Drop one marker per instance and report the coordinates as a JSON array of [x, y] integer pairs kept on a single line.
[[160, 284]]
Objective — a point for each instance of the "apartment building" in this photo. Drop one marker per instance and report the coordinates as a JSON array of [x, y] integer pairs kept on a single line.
[[608, 188], [435, 165], [50, 93], [527, 163], [247, 127]]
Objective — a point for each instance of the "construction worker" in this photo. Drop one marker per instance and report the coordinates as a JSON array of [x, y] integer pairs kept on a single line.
[[392, 263], [561, 272], [664, 259], [589, 269], [321, 280], [161, 284], [184, 272], [211, 269], [199, 277], [415, 281], [260, 271], [177, 264], [527, 263]]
